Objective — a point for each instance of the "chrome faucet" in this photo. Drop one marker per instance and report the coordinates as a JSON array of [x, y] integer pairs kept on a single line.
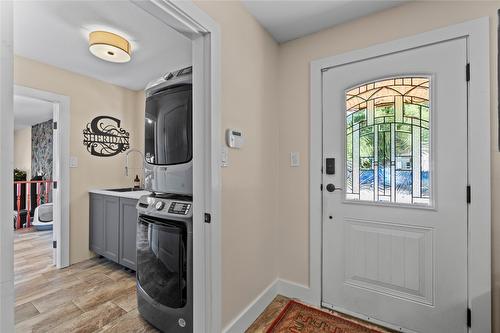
[[133, 150]]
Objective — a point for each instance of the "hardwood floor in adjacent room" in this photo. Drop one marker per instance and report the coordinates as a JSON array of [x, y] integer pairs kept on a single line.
[[95, 295]]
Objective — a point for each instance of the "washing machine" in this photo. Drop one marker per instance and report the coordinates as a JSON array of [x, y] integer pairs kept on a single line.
[[165, 261]]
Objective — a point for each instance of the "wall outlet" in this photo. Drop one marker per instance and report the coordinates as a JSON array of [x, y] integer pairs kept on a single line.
[[294, 159]]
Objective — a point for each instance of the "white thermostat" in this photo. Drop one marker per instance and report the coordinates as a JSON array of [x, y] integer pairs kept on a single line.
[[234, 138]]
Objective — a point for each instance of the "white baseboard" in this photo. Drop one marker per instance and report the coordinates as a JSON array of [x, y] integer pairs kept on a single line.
[[296, 290], [254, 309]]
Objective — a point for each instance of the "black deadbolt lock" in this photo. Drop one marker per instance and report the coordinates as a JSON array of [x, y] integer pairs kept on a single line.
[[330, 166]]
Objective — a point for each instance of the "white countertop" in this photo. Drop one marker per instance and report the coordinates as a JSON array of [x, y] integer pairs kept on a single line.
[[129, 194]]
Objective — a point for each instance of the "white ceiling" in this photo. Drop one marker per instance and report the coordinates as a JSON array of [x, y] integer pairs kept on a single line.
[[287, 20], [56, 33], [30, 111]]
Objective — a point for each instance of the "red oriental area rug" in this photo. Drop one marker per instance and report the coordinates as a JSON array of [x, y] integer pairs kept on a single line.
[[300, 318]]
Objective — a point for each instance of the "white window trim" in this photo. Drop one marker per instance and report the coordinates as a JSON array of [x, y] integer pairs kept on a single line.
[[204, 32], [479, 140]]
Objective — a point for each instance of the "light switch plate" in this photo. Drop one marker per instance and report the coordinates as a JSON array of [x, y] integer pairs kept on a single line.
[[224, 158], [73, 162], [294, 159]]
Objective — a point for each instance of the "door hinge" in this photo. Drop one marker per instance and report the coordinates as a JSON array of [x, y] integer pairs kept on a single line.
[[467, 72], [321, 187], [54, 185], [54, 244], [55, 125], [208, 218], [468, 194], [469, 317]]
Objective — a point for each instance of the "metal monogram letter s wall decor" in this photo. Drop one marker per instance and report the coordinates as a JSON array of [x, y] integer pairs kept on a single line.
[[104, 137]]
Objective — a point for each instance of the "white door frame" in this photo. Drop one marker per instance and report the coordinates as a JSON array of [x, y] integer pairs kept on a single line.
[[190, 20], [479, 141], [6, 167], [61, 113]]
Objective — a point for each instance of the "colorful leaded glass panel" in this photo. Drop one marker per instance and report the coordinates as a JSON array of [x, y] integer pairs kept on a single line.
[[388, 141]]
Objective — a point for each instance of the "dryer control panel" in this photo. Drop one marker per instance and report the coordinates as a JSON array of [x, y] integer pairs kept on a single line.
[[181, 208], [165, 207]]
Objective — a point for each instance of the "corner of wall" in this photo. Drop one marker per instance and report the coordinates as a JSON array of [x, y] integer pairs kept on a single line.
[[250, 183]]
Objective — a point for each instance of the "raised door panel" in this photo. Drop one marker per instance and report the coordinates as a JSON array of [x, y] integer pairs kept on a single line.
[[96, 243], [128, 232], [390, 259], [111, 227]]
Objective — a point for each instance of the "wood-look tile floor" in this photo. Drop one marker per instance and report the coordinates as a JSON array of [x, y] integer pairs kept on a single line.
[[95, 295]]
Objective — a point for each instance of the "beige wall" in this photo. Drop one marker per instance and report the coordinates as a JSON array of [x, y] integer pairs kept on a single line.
[[22, 150], [252, 185], [294, 60], [249, 184], [88, 98]]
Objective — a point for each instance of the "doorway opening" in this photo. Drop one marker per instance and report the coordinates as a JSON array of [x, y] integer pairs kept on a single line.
[[33, 185], [203, 34], [41, 202]]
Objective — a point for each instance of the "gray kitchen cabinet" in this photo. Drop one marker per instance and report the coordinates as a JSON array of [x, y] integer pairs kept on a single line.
[[128, 231], [97, 223], [111, 227], [113, 222]]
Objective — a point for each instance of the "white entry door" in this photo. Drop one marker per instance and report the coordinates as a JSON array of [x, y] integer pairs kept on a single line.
[[395, 188]]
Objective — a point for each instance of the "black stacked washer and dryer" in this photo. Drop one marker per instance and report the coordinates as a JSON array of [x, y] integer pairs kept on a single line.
[[164, 229]]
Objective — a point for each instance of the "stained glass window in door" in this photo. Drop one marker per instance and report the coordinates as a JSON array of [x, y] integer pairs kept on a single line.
[[388, 141]]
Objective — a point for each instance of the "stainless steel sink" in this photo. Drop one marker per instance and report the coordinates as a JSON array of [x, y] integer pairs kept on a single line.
[[125, 189]]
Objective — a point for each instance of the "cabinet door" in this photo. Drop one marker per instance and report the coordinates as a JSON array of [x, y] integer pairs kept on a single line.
[[96, 242], [128, 231], [111, 227]]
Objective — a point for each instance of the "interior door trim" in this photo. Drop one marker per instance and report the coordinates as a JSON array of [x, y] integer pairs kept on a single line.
[[479, 141]]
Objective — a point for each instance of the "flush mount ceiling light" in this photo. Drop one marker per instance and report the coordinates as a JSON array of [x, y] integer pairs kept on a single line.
[[109, 46]]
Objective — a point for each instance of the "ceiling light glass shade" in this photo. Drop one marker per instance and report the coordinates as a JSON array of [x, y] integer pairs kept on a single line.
[[109, 46]]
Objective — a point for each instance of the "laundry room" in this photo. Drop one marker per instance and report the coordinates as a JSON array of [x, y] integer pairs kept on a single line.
[[101, 87]]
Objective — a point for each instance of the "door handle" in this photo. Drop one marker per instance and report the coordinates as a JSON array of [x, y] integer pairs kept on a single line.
[[332, 188]]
